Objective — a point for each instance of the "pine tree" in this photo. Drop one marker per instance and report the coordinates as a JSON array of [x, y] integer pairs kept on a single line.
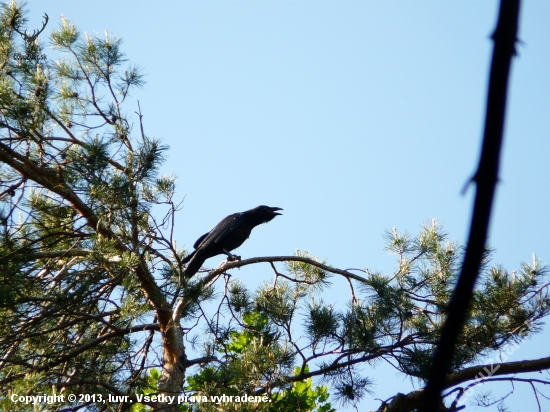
[[92, 297]]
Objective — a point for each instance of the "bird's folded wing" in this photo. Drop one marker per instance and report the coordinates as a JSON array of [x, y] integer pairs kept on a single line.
[[199, 240], [226, 226]]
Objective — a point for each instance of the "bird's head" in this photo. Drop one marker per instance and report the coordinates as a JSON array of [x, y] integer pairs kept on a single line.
[[265, 213]]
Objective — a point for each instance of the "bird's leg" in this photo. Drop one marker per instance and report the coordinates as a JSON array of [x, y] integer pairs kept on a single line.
[[230, 256]]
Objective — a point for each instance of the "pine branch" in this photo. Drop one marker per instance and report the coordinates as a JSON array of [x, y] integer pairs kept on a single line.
[[31, 171], [77, 351]]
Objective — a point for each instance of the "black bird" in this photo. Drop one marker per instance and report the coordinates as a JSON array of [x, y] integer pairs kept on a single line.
[[229, 234]]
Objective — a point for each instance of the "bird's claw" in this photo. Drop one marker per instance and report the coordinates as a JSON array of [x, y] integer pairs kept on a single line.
[[233, 258]]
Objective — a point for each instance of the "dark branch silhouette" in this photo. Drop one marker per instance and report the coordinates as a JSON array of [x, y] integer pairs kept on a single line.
[[486, 177]]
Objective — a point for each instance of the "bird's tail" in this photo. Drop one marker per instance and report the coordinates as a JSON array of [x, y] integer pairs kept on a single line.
[[189, 257], [195, 262]]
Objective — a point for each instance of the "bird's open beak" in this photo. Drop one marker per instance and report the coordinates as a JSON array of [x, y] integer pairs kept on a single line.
[[273, 210]]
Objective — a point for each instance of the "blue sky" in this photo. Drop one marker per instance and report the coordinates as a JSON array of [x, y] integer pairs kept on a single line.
[[353, 116]]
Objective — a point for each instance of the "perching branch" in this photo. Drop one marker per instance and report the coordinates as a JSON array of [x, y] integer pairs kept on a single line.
[[270, 259]]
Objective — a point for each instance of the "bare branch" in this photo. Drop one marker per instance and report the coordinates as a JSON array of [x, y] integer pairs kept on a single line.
[[486, 177], [270, 259]]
